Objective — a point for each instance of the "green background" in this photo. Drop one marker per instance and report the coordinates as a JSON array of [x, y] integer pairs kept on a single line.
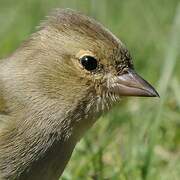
[[140, 138]]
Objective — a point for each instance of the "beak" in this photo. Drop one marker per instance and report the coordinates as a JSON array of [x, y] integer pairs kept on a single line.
[[131, 84]]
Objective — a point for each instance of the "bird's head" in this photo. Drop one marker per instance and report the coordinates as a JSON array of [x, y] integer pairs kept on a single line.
[[81, 60]]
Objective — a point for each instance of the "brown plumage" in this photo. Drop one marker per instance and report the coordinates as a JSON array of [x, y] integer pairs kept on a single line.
[[54, 87]]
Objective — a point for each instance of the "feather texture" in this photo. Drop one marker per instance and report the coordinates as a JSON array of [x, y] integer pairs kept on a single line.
[[48, 100]]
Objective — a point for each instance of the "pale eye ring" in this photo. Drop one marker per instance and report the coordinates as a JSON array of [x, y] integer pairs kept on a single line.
[[89, 62]]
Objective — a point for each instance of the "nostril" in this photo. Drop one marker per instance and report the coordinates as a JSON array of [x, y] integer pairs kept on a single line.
[[122, 70], [125, 70]]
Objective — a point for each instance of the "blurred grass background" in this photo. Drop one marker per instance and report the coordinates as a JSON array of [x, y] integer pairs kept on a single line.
[[140, 138]]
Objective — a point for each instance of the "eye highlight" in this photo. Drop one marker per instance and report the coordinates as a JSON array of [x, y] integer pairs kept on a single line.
[[89, 62]]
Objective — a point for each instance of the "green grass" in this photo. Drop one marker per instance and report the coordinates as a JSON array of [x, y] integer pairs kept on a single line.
[[140, 138]]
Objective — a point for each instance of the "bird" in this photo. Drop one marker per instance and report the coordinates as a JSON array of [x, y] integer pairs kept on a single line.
[[54, 87]]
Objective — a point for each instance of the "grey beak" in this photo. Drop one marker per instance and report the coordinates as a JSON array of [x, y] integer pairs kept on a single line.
[[131, 84]]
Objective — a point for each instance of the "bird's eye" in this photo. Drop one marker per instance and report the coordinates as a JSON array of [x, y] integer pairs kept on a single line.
[[89, 63]]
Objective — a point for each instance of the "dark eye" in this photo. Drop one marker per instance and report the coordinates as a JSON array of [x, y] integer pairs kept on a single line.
[[89, 63]]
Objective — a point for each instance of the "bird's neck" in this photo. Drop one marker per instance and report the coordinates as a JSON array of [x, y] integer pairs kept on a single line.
[[39, 145], [51, 164]]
